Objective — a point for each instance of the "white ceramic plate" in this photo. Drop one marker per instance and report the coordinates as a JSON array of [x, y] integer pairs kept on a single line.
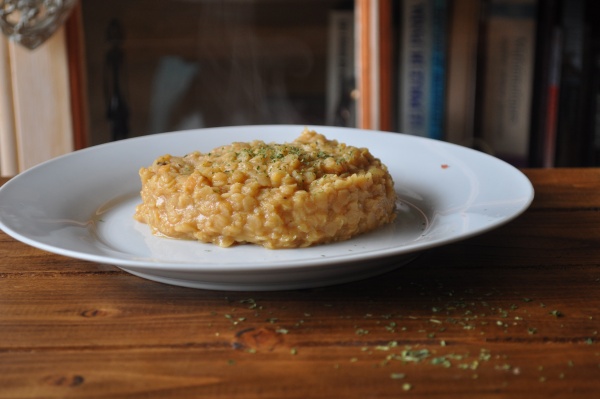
[[81, 205]]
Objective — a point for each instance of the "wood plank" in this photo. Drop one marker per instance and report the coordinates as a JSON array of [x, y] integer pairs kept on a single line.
[[42, 106], [65, 311], [364, 54], [77, 78], [477, 275], [513, 312], [8, 141], [565, 188], [314, 372]]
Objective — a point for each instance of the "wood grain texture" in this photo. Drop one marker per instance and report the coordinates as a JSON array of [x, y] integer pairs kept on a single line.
[[76, 62], [41, 101], [364, 24], [511, 313], [8, 144]]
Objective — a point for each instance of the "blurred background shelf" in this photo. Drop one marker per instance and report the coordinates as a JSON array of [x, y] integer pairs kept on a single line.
[[518, 79]]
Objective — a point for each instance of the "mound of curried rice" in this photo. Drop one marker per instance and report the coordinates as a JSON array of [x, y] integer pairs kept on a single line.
[[310, 191]]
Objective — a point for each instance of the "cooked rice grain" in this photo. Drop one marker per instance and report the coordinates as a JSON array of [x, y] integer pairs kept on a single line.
[[307, 192]]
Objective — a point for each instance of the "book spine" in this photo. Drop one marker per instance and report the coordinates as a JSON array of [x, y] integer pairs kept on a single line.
[[439, 15], [423, 67], [414, 66], [507, 92], [552, 101], [570, 143], [547, 65], [462, 71], [363, 57], [386, 65]]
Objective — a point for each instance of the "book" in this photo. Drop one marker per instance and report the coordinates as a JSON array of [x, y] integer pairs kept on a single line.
[[550, 113], [374, 63], [570, 146], [462, 70], [423, 67], [507, 76], [367, 55], [546, 85], [385, 62]]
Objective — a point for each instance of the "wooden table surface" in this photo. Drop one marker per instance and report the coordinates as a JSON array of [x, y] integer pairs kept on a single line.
[[511, 313]]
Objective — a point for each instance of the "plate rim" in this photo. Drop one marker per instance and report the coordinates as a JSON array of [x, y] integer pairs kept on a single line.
[[236, 267]]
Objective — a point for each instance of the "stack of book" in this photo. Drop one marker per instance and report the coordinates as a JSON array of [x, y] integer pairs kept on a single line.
[[518, 79]]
